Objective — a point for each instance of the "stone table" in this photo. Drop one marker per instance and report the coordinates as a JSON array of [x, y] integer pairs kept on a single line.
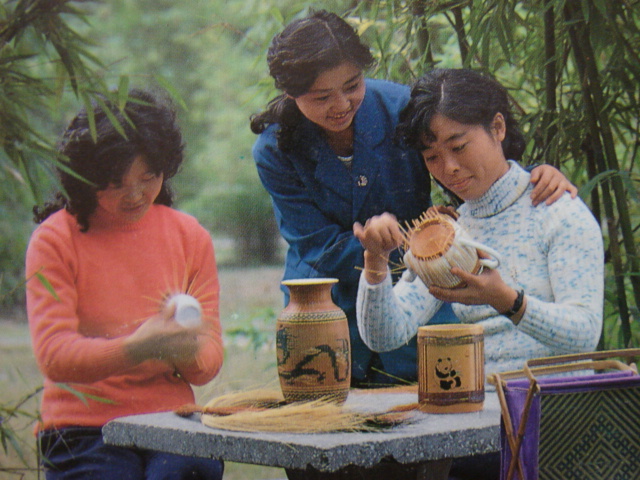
[[421, 449]]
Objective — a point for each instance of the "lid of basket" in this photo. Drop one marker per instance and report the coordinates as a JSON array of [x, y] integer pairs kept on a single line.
[[432, 238]]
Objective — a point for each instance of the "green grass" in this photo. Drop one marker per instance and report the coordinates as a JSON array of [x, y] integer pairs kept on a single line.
[[250, 299], [19, 378]]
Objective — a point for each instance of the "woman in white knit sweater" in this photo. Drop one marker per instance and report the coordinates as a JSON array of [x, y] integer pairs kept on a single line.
[[546, 296]]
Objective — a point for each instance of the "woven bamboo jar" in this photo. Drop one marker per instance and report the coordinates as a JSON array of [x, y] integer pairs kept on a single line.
[[312, 343], [451, 368], [436, 243]]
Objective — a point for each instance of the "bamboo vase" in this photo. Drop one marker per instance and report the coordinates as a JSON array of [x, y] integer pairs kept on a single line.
[[312, 343]]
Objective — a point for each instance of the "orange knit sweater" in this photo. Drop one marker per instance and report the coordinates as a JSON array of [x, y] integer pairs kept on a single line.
[[107, 281]]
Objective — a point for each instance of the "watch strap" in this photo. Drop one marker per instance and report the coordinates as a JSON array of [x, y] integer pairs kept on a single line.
[[517, 305]]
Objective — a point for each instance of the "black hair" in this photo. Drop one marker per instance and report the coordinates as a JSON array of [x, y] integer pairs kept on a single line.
[[150, 129], [305, 49], [465, 96]]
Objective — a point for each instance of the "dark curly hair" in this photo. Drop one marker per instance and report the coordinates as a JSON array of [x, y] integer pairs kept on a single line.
[[462, 95], [150, 129], [305, 49]]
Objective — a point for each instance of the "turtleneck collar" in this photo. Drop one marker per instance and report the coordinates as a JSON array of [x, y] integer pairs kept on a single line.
[[501, 195]]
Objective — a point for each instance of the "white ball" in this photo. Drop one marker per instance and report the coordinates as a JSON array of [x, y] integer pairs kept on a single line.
[[188, 310]]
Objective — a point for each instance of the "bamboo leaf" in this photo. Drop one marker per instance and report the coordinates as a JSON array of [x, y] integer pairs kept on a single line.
[[88, 56], [15, 173], [504, 43], [14, 441], [363, 26], [62, 165], [111, 116], [601, 6], [86, 101], [15, 58], [277, 15], [69, 64], [82, 396], [586, 10], [586, 189], [172, 90], [47, 285], [123, 91], [629, 186], [3, 439]]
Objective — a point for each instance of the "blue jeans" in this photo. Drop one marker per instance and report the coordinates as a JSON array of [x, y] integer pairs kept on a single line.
[[79, 453]]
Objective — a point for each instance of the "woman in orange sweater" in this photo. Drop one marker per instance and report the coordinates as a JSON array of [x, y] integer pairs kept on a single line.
[[101, 267]]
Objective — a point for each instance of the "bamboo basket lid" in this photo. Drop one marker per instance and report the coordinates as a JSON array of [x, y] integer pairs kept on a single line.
[[431, 239]]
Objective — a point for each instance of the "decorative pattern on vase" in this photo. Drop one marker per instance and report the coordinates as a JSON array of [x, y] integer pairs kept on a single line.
[[312, 343]]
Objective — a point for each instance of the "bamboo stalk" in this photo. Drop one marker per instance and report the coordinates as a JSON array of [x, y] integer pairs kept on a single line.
[[460, 32], [550, 113], [422, 31], [612, 163], [578, 39]]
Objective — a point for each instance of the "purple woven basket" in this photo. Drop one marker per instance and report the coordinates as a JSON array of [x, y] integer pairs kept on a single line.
[[584, 427]]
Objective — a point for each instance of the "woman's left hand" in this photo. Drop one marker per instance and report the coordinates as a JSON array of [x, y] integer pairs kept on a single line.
[[487, 288], [550, 184]]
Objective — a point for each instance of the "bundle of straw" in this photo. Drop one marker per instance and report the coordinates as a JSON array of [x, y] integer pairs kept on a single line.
[[259, 398], [265, 411]]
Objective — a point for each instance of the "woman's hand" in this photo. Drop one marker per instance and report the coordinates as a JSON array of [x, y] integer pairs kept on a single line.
[[379, 237], [161, 337], [380, 234], [487, 288], [550, 185]]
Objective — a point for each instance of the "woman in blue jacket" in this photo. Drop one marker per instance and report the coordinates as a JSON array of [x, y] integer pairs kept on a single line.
[[327, 156]]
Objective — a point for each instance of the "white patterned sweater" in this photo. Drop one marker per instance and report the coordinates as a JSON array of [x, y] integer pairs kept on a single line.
[[555, 253]]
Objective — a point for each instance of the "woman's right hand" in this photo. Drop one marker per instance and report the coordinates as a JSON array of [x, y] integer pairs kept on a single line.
[[379, 236], [161, 337]]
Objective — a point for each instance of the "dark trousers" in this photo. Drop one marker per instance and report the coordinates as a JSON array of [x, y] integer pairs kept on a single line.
[[79, 453]]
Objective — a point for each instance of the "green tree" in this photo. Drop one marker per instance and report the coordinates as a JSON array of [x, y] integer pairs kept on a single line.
[[43, 61]]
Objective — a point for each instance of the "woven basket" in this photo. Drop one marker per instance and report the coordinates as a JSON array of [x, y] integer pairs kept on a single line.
[[436, 243]]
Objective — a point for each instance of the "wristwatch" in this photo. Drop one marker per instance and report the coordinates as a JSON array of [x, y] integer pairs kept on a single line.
[[517, 305]]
